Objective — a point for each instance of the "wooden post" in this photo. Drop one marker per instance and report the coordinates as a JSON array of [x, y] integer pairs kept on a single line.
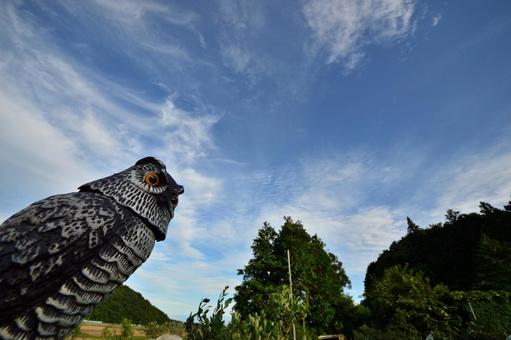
[[291, 291]]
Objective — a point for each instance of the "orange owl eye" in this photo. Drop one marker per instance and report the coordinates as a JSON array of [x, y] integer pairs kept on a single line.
[[151, 179]]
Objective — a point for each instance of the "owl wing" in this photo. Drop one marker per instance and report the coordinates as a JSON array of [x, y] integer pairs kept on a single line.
[[46, 243]]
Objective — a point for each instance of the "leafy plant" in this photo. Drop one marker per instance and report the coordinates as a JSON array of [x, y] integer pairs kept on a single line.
[[108, 334], [200, 326], [126, 330], [154, 330]]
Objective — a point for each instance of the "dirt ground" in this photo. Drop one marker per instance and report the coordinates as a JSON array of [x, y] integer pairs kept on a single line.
[[96, 329]]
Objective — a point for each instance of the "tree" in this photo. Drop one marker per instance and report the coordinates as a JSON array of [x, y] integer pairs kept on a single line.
[[486, 208], [458, 243], [412, 227], [317, 275], [127, 303], [452, 216], [492, 264], [405, 301]]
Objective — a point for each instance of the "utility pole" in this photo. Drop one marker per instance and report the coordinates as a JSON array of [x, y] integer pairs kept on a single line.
[[291, 291]]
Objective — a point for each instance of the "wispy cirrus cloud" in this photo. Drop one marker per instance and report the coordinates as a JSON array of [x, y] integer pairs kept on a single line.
[[63, 123], [344, 28], [128, 11], [336, 199], [481, 177], [241, 21]]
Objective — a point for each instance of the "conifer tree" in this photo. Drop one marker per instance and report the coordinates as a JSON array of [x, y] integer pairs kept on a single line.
[[317, 274]]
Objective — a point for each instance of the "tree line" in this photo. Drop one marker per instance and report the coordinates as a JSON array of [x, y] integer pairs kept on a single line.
[[451, 280]]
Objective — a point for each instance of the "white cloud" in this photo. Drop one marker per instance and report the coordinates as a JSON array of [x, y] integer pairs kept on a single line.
[[184, 283], [345, 27], [186, 136], [436, 19], [62, 124], [332, 192], [129, 10], [481, 177], [36, 153], [61, 127], [326, 201], [242, 20], [236, 57]]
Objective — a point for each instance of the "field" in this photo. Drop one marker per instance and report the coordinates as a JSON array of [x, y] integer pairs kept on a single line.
[[93, 330]]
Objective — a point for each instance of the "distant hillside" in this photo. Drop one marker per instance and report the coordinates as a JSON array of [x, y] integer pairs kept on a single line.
[[127, 303], [467, 252]]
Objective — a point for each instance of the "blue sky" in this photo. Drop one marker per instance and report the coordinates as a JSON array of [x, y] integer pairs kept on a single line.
[[348, 115]]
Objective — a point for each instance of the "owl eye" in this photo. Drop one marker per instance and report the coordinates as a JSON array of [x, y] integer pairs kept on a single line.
[[152, 179]]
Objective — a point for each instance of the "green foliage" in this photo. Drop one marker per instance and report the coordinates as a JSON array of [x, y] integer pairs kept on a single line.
[[477, 246], [412, 227], [108, 334], [453, 279], [492, 264], [317, 275], [277, 321], [405, 302], [274, 323], [200, 326], [154, 329], [127, 303], [368, 333], [126, 330], [480, 314]]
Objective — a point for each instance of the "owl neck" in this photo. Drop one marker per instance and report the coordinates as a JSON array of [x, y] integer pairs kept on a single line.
[[141, 203]]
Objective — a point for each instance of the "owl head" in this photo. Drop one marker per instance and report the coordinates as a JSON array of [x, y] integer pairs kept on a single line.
[[147, 189]]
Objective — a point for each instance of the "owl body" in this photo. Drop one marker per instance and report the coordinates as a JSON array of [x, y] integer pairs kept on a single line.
[[62, 255]]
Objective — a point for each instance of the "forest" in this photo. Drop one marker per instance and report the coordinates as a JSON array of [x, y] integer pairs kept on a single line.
[[125, 303], [449, 280]]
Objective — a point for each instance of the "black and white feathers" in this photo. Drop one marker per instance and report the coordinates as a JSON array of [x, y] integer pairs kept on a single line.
[[61, 256]]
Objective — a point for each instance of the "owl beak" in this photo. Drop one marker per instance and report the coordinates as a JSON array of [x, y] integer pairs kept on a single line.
[[179, 190]]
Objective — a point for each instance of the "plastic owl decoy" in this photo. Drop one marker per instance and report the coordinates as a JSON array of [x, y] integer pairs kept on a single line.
[[62, 255]]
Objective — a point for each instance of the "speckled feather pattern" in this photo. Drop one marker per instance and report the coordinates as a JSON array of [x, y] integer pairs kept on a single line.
[[126, 190], [61, 256], [86, 242]]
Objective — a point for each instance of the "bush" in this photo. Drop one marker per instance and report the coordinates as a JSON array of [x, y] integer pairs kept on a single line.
[[480, 315], [154, 330]]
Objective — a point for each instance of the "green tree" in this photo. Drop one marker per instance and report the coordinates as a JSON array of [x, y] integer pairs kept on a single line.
[[405, 301], [317, 275], [492, 264], [124, 302], [412, 227], [476, 245]]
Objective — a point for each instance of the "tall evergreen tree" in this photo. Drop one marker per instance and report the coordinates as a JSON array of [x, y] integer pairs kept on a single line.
[[317, 274]]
